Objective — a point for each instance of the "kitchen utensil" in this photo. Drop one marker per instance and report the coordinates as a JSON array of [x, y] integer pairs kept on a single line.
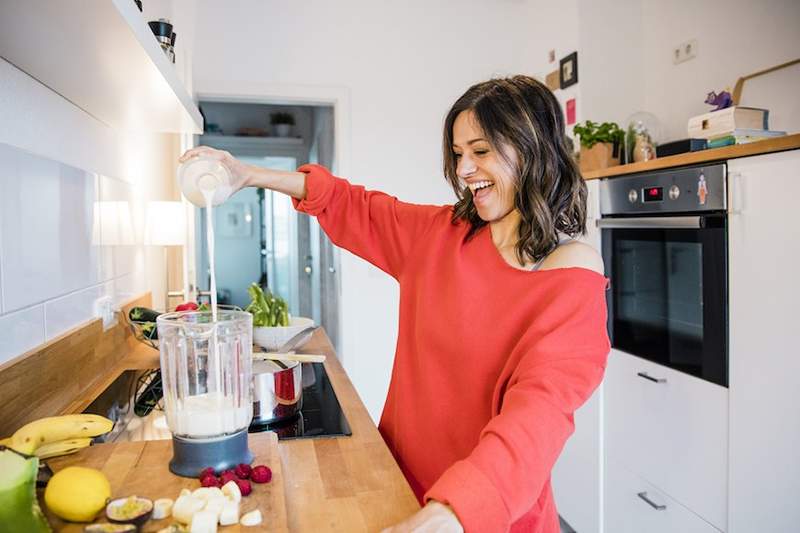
[[289, 356], [206, 370], [277, 390], [274, 338], [140, 468], [297, 339]]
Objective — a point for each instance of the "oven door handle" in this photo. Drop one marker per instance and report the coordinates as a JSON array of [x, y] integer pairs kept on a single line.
[[651, 223]]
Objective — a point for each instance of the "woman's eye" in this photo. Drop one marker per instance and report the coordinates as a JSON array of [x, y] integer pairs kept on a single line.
[[481, 152], [457, 156]]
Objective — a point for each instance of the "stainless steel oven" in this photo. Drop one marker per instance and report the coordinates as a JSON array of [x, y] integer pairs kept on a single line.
[[665, 238]]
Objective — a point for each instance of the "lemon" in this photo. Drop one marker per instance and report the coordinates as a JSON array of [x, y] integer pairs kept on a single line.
[[77, 494]]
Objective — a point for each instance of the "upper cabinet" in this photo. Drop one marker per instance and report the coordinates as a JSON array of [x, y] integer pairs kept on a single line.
[[101, 56]]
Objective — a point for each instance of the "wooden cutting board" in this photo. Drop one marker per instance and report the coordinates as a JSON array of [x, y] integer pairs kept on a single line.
[[142, 468]]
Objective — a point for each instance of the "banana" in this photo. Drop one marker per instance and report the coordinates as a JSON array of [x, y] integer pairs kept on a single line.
[[5, 442], [57, 428], [62, 447]]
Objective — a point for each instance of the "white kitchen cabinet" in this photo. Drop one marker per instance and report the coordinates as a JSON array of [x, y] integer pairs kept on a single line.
[[764, 251], [101, 56], [577, 475], [672, 432], [635, 506]]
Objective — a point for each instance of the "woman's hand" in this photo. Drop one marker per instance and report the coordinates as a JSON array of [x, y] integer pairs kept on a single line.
[[435, 517], [240, 172]]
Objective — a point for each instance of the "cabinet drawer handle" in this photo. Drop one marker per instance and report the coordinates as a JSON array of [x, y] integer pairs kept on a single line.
[[651, 503], [651, 378]]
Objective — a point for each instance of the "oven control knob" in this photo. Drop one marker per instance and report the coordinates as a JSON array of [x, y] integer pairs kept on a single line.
[[633, 196], [674, 192]]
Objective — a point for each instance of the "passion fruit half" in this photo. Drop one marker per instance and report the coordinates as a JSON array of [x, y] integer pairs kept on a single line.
[[130, 510], [110, 528]]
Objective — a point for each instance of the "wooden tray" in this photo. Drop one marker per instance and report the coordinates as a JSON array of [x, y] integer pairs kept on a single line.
[[142, 468]]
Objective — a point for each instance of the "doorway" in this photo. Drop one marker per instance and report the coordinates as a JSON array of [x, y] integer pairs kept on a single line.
[[259, 235]]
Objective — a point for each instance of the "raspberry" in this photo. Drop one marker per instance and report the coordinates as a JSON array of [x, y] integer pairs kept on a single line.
[[206, 472], [209, 481], [261, 474], [228, 475], [243, 471], [244, 486]]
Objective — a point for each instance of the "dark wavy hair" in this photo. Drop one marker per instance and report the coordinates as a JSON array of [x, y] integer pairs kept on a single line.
[[521, 113]]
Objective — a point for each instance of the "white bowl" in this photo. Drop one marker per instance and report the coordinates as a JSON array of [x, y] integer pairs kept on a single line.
[[272, 338]]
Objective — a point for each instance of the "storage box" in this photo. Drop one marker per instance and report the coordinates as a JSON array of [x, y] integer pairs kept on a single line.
[[680, 147]]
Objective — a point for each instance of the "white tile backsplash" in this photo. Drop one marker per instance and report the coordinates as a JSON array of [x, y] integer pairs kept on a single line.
[[53, 263], [20, 332], [66, 312], [46, 225], [125, 258]]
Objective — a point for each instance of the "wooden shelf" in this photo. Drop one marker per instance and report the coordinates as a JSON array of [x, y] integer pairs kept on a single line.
[[101, 56], [777, 144]]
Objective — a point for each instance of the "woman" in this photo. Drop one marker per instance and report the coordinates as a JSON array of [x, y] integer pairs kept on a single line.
[[502, 315]]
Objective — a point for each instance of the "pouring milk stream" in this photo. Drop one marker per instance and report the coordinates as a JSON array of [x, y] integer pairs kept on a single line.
[[206, 183]]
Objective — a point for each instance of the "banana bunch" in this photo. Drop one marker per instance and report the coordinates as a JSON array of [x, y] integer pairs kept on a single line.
[[58, 435]]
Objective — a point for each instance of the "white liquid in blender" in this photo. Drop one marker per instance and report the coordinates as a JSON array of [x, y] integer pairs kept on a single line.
[[208, 415]]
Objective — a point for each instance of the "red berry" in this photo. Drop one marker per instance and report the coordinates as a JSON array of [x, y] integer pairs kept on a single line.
[[243, 471], [228, 475], [261, 474], [207, 472], [244, 486], [209, 481]]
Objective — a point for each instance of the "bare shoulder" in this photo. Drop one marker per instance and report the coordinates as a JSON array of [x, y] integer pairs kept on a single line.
[[574, 254]]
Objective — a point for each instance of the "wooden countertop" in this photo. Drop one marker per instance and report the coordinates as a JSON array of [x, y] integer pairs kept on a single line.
[[778, 144], [344, 484]]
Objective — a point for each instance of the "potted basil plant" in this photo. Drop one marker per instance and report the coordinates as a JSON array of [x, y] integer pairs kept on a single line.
[[601, 144]]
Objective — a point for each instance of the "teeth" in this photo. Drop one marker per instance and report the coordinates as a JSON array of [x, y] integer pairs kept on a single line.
[[479, 185]]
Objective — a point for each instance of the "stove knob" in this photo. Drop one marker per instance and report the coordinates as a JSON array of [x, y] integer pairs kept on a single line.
[[674, 192], [633, 196]]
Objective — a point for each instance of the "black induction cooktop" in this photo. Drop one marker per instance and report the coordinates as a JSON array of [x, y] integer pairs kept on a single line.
[[133, 401]]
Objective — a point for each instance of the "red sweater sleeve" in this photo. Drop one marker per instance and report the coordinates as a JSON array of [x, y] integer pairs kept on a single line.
[[552, 371], [372, 225]]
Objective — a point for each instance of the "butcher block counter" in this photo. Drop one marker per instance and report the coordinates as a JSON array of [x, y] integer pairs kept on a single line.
[[345, 484]]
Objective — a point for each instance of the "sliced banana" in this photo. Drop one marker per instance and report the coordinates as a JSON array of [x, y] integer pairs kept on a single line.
[[162, 508], [253, 518]]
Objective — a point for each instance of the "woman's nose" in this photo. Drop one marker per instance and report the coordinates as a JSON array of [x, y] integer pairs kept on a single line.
[[466, 167]]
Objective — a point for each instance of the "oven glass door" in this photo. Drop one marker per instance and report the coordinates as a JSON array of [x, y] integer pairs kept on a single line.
[[668, 300]]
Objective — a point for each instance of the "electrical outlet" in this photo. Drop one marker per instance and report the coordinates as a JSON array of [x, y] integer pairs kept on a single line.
[[104, 309], [685, 51]]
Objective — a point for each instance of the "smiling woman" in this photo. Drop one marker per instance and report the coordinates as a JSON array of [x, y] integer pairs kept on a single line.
[[502, 330]]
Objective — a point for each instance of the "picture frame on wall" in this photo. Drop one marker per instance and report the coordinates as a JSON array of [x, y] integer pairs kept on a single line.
[[568, 70]]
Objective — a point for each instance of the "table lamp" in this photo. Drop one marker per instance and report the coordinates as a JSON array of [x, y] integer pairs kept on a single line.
[[166, 226]]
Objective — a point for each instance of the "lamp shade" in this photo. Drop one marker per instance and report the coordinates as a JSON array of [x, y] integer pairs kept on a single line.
[[111, 224], [165, 224]]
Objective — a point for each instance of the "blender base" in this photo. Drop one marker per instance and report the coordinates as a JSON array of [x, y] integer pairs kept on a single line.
[[191, 456]]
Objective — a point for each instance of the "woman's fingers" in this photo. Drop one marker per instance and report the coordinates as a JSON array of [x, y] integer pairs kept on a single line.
[[201, 150]]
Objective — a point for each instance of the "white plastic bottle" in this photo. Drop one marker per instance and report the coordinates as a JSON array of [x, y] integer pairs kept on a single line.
[[203, 174]]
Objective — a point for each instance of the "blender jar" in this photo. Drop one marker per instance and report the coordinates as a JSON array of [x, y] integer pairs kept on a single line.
[[206, 370]]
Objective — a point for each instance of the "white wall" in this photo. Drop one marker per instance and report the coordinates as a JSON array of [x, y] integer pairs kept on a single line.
[[402, 66], [56, 161], [626, 58]]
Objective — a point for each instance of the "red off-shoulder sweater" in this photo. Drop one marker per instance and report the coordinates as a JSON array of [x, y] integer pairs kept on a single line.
[[491, 361]]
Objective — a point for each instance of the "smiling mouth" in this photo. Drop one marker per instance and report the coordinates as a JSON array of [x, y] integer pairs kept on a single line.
[[476, 187]]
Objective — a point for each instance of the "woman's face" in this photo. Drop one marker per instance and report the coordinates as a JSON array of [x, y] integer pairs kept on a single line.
[[483, 169]]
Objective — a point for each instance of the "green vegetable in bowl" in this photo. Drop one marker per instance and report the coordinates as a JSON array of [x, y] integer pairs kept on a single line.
[[267, 310]]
